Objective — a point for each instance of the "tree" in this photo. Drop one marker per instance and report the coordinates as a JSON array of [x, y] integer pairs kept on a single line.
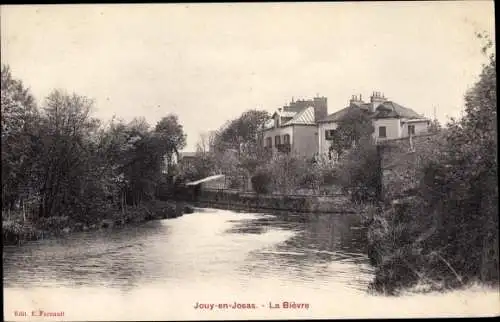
[[435, 126], [206, 142], [359, 173], [472, 146], [171, 137], [449, 233], [236, 148], [60, 163], [67, 142], [242, 130], [19, 117], [355, 126]]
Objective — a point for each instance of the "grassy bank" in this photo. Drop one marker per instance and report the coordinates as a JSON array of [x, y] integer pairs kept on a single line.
[[16, 229], [412, 251]]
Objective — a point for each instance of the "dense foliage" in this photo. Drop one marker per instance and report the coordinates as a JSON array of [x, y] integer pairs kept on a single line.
[[360, 173], [359, 166], [233, 150], [59, 161], [242, 131], [447, 236], [355, 126], [261, 182], [236, 151]]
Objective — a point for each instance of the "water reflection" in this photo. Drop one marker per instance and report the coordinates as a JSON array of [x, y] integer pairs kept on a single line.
[[106, 258], [209, 246], [326, 248], [159, 270]]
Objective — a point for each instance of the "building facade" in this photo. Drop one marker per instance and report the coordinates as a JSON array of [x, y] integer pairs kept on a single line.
[[390, 120], [304, 127], [293, 128]]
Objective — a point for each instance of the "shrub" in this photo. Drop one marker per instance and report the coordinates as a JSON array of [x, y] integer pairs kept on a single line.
[[448, 235], [261, 182], [359, 174], [330, 176]]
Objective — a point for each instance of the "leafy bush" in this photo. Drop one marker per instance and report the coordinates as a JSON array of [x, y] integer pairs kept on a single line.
[[448, 235], [359, 174], [61, 166], [262, 182], [330, 176]]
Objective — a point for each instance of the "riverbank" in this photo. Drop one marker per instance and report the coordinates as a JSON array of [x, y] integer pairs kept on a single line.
[[17, 230], [237, 200], [408, 254]]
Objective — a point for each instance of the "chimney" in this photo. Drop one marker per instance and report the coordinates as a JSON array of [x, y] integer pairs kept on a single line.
[[376, 99], [320, 108], [355, 100]]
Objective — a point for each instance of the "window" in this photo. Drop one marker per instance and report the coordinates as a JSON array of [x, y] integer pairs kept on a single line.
[[286, 139], [269, 142], [382, 132], [330, 134], [411, 129], [277, 140]]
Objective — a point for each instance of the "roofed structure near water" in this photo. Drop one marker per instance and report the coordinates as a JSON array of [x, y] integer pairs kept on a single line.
[[207, 179]]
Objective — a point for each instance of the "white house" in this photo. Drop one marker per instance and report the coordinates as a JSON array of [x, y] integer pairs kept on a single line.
[[390, 120], [293, 128], [305, 128]]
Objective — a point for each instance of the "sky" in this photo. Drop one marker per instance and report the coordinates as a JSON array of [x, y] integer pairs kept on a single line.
[[208, 63]]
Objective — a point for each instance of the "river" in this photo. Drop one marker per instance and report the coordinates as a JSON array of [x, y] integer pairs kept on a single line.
[[170, 269]]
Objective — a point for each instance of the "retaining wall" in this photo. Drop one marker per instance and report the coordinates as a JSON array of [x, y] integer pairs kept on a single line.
[[399, 162], [294, 203]]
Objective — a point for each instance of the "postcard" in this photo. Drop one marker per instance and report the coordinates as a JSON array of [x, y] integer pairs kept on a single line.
[[216, 161]]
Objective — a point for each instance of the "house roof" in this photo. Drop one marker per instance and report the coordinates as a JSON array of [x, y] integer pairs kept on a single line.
[[187, 154], [366, 106], [215, 177], [336, 116], [304, 117], [286, 113], [391, 109], [387, 109]]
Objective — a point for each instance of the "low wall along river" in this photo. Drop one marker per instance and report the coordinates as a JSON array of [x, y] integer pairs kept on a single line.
[[229, 199], [398, 162]]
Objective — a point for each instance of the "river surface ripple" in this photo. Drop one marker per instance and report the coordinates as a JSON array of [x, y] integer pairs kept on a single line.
[[162, 269]]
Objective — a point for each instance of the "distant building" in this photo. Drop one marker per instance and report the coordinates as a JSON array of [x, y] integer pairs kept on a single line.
[[185, 158], [304, 127], [293, 127], [390, 120]]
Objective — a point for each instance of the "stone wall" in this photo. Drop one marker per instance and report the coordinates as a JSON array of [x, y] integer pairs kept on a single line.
[[400, 160], [293, 203]]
